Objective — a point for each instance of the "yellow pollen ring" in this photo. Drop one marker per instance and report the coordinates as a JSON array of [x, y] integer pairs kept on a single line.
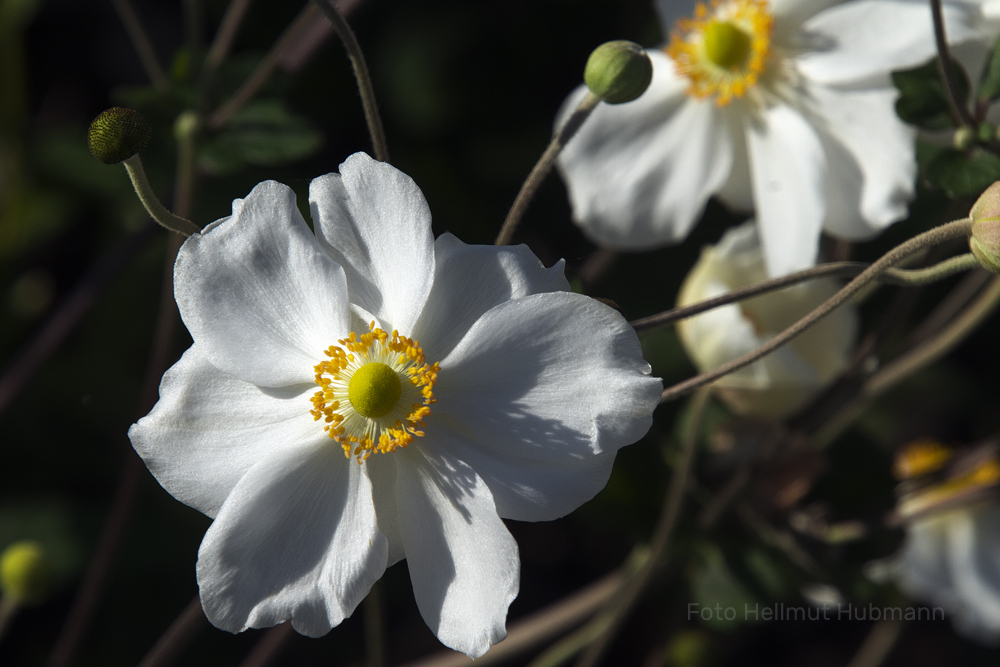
[[722, 50], [375, 391]]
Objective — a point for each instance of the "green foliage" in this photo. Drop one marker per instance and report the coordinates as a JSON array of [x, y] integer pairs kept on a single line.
[[923, 99], [963, 173], [989, 85], [263, 133]]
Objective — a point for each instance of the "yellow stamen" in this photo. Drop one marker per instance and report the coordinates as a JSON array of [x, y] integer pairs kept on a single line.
[[723, 50], [375, 391]]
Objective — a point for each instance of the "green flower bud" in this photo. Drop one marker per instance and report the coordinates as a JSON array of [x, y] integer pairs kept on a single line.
[[985, 239], [25, 574], [117, 134], [964, 138], [618, 71]]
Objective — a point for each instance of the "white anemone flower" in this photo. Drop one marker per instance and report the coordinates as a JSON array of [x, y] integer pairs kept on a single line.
[[952, 559], [786, 379], [951, 555], [784, 107], [367, 394]]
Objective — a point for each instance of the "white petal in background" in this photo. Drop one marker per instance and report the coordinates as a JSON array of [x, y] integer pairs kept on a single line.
[[953, 560], [547, 381], [296, 539], [374, 221], [257, 292], [856, 41], [471, 279], [639, 174], [789, 170], [208, 429], [463, 562]]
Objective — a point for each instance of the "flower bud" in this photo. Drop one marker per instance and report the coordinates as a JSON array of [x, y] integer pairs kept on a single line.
[[25, 574], [117, 134], [964, 138], [618, 71], [985, 239], [783, 381]]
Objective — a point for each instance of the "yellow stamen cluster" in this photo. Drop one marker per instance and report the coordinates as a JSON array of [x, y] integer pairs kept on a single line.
[[368, 415], [722, 50]]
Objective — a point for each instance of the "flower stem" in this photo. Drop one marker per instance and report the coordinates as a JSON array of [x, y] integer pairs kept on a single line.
[[223, 41], [172, 643], [141, 43], [948, 231], [544, 166], [257, 78], [154, 207], [892, 276], [958, 107], [8, 610], [361, 75], [878, 644], [672, 503], [269, 646]]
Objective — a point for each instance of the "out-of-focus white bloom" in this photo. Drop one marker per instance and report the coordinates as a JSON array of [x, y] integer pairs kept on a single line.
[[327, 448], [784, 107], [951, 555], [786, 379]]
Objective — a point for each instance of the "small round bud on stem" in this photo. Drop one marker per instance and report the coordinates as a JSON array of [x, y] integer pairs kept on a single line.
[[618, 71], [985, 239], [25, 574], [964, 138], [117, 134]]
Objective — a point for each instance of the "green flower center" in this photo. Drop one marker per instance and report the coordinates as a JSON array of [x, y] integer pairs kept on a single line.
[[374, 390], [727, 45]]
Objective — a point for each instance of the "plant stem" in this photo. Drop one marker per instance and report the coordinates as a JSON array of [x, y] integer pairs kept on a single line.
[[269, 646], [672, 503], [218, 118], [141, 43], [361, 75], [951, 230], [172, 643], [223, 41], [544, 166], [157, 211], [958, 107], [892, 276], [878, 644]]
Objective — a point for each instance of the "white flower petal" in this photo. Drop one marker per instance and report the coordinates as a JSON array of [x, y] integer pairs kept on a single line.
[[381, 470], [471, 279], [296, 539], [525, 486], [639, 173], [209, 428], [790, 14], [463, 562], [871, 158], [374, 221], [869, 38], [789, 171], [258, 293], [923, 566], [547, 377], [974, 549]]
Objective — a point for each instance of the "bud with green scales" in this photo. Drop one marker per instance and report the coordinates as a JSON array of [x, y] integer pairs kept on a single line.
[[985, 239], [618, 71]]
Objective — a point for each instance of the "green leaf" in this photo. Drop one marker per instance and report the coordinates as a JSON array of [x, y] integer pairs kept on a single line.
[[989, 86], [263, 133], [923, 99], [958, 173], [721, 601]]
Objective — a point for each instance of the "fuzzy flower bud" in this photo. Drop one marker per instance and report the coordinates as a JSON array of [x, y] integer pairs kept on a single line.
[[25, 575], [985, 239], [117, 134], [618, 71]]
